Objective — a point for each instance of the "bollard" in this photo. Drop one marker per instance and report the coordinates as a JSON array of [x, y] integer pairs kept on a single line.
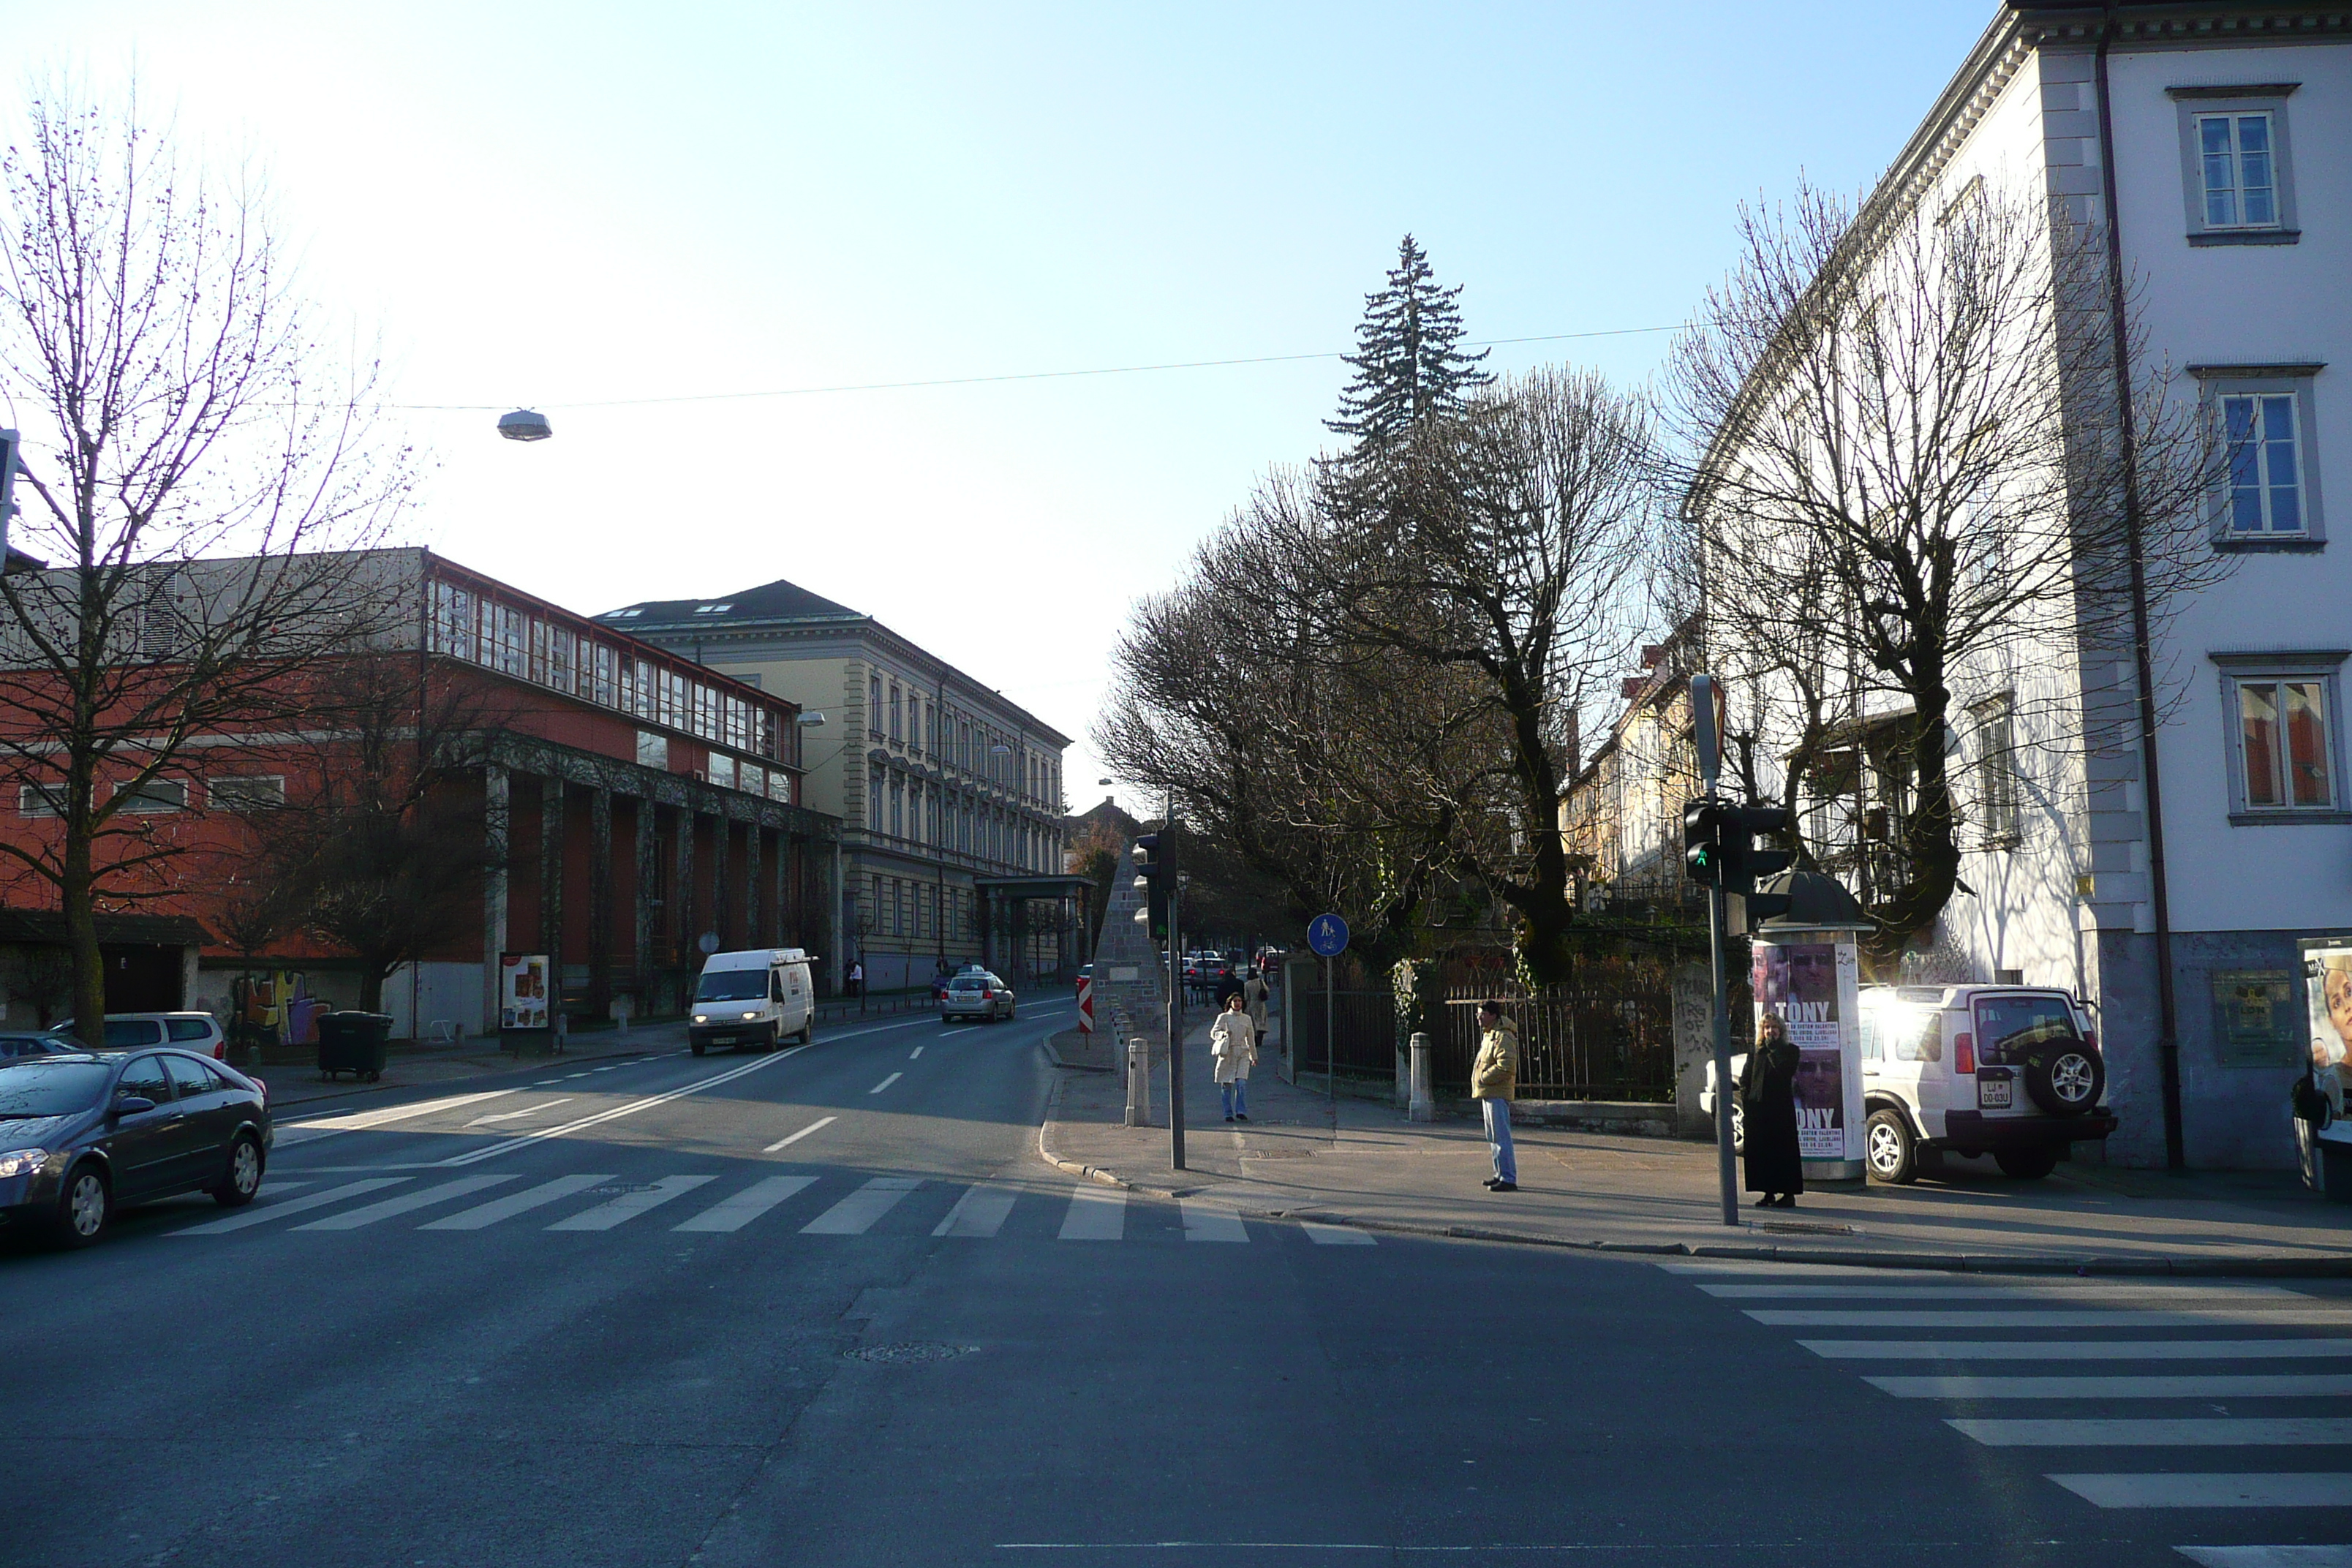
[[1424, 1104], [1139, 1082]]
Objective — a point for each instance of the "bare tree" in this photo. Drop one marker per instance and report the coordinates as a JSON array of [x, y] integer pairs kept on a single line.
[[194, 460], [1902, 473], [378, 845]]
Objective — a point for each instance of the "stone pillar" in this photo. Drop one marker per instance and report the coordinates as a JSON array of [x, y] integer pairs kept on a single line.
[[643, 928], [497, 825], [551, 886], [600, 901], [683, 924], [755, 931], [722, 833], [1692, 990], [786, 921]]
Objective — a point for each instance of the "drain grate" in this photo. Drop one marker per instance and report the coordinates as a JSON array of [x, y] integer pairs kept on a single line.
[[1800, 1227], [913, 1353], [619, 1188], [1277, 1154]]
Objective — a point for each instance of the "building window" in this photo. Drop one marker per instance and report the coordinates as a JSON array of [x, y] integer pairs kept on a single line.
[[40, 800], [1996, 769], [2237, 177], [873, 804], [2234, 157], [2265, 463], [2284, 735], [246, 792], [653, 749], [897, 811], [156, 794], [874, 704], [2270, 498], [2283, 744], [893, 713]]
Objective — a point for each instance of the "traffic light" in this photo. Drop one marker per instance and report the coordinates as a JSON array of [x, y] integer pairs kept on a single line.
[[1706, 823], [1155, 864], [1744, 865]]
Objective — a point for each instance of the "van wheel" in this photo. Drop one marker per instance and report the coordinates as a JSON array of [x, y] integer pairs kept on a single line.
[[2065, 1077], [2026, 1165], [1892, 1153], [808, 1031]]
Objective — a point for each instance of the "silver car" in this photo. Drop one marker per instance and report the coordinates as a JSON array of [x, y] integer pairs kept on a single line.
[[977, 995]]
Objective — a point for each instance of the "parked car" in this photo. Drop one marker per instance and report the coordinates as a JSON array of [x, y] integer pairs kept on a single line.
[[40, 1045], [758, 997], [197, 1032], [981, 996], [81, 1134], [2013, 1071]]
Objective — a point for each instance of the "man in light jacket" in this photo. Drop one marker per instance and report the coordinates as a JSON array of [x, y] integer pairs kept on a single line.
[[1233, 1042], [1494, 1076]]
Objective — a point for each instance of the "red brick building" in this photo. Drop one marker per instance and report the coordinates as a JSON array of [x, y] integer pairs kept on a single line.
[[639, 808]]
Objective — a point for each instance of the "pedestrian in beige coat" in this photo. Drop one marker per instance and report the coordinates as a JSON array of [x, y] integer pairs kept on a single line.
[[1233, 1045], [1493, 1078], [1254, 991]]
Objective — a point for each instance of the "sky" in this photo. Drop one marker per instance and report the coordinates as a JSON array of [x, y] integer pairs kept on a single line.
[[588, 209]]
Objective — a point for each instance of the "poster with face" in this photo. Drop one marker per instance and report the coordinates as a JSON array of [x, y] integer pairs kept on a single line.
[[523, 982], [2327, 988], [1812, 987]]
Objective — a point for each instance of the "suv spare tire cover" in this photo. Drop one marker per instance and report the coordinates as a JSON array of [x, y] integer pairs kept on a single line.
[[2066, 1078]]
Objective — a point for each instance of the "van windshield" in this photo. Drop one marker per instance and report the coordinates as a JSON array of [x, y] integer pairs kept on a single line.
[[732, 985]]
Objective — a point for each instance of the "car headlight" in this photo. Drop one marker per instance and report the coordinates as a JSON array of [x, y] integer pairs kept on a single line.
[[22, 1162], [702, 1017], [749, 1016]]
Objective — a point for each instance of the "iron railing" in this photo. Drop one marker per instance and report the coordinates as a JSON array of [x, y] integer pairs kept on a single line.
[[1573, 1044]]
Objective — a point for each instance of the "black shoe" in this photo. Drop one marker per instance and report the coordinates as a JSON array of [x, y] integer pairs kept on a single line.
[[1229, 1119], [1768, 1201], [1505, 1186], [1788, 1200], [1240, 1116], [1491, 1181]]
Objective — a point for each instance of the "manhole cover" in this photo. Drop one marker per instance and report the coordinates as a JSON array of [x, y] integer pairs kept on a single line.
[[1799, 1227], [910, 1354], [618, 1188]]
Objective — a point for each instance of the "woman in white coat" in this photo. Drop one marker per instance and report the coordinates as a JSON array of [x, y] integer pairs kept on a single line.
[[1233, 1045]]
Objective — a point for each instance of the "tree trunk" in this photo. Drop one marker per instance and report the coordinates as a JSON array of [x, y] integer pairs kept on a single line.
[[372, 975], [1930, 838], [77, 900]]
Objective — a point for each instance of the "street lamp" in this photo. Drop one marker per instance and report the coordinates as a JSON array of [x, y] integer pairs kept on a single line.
[[523, 424]]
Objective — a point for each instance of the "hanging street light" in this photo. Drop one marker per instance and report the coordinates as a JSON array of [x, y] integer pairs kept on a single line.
[[523, 424]]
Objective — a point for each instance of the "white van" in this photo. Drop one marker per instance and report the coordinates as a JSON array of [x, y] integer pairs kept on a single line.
[[760, 998]]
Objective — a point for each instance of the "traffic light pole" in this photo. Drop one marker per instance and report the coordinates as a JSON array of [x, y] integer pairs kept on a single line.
[[1175, 1028]]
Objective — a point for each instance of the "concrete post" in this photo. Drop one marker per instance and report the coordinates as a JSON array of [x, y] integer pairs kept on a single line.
[[642, 943], [600, 901], [1424, 1104], [755, 933], [496, 822], [1139, 1082]]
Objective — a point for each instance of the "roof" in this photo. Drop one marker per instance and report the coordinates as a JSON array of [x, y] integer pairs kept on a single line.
[[776, 601]]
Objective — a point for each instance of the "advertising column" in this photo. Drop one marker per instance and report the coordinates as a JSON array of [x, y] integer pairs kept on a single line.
[[1811, 980]]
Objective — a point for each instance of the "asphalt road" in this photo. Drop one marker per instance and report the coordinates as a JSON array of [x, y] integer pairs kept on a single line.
[[826, 1307]]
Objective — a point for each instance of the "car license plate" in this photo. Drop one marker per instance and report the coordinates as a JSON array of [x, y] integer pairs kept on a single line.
[[1993, 1093], [731, 1039]]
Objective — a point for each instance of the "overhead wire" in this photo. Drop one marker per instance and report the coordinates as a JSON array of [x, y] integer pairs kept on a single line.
[[987, 380]]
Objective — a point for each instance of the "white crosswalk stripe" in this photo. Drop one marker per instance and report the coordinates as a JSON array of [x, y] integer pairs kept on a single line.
[[1206, 1219], [629, 1206], [600, 1202], [407, 1203], [856, 1214], [1095, 1214], [262, 1214], [484, 1216], [1992, 1318], [982, 1211], [735, 1213]]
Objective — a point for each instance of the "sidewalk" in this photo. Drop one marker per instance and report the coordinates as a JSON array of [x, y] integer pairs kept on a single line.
[[1360, 1162]]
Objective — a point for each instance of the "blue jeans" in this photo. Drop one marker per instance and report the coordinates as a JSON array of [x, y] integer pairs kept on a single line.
[[1237, 1097], [1498, 1135]]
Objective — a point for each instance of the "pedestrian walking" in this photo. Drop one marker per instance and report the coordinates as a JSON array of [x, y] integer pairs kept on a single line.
[[1494, 1079], [1253, 995], [1768, 1110], [1233, 1046], [856, 978]]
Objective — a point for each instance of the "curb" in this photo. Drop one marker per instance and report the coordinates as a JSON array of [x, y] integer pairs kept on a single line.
[[2260, 1268], [1054, 1058]]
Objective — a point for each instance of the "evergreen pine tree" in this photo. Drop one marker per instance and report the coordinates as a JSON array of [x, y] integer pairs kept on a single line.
[[1407, 366]]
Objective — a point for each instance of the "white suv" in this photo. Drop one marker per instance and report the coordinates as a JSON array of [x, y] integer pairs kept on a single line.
[[2012, 1071], [197, 1032]]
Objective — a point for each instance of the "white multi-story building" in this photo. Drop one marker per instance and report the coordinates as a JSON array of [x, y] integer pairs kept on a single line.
[[950, 796], [2181, 881]]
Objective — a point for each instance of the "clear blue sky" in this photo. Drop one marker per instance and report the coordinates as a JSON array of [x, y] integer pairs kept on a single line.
[[559, 205]]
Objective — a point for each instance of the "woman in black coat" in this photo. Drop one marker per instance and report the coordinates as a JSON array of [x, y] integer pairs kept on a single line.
[[1768, 1105]]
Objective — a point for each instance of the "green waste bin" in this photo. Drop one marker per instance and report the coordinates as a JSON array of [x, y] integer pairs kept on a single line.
[[353, 1043]]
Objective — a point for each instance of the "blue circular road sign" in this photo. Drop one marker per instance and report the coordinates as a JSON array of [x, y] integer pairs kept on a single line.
[[1328, 936]]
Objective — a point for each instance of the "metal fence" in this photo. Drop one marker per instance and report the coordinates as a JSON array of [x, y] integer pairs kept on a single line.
[[1573, 1044], [1365, 1023]]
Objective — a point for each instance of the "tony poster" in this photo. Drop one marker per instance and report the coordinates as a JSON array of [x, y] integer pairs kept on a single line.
[[1814, 988]]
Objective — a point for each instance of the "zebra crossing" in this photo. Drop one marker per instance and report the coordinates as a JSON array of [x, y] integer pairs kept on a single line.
[[800, 1204], [1984, 1351]]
